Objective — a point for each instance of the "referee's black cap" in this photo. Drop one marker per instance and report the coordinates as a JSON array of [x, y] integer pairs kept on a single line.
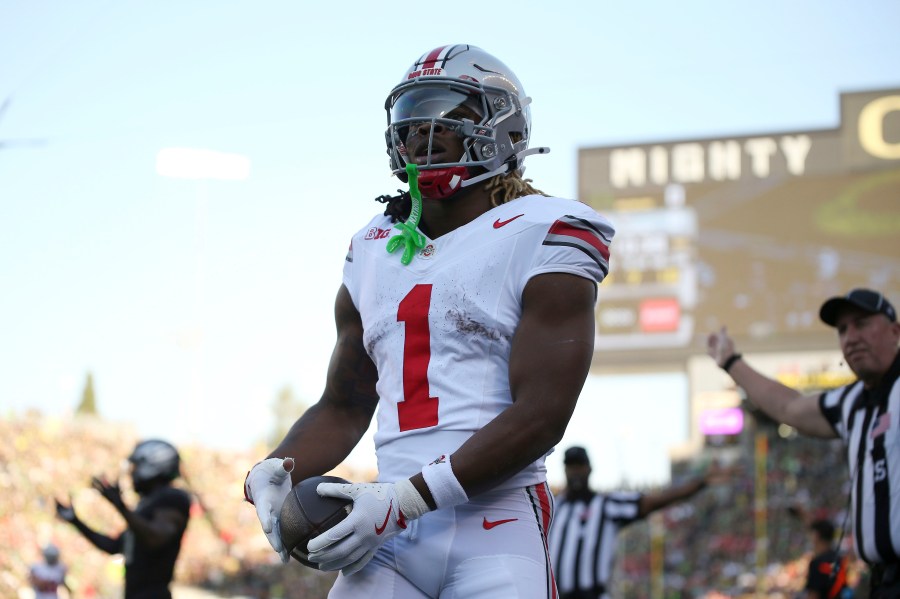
[[576, 455], [864, 299]]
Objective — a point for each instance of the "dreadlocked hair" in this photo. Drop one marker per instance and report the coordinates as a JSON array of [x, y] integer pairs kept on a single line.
[[398, 206], [509, 187], [502, 189]]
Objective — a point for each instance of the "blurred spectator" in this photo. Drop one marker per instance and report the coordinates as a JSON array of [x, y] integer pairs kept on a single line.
[[48, 575], [827, 575]]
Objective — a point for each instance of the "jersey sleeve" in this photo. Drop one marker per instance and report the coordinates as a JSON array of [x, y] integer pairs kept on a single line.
[[622, 507], [347, 277], [833, 405], [832, 414], [576, 243], [379, 227]]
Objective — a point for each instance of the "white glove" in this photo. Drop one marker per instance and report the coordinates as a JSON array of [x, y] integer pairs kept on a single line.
[[380, 511], [266, 486]]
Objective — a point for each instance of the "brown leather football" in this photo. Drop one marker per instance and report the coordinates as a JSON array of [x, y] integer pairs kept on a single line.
[[305, 515]]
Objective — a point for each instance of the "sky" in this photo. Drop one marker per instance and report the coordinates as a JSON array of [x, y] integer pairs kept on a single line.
[[194, 303]]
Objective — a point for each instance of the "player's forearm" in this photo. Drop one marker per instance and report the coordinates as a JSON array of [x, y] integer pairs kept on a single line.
[[549, 360], [322, 438], [523, 433], [327, 432], [513, 440], [100, 541]]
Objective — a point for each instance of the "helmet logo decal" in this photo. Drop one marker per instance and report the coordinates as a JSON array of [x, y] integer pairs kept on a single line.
[[484, 70], [425, 73], [432, 63]]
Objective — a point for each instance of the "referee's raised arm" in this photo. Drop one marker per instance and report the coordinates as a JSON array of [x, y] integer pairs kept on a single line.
[[778, 401]]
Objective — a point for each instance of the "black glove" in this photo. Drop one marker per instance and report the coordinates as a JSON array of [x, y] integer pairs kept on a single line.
[[65, 511], [110, 491]]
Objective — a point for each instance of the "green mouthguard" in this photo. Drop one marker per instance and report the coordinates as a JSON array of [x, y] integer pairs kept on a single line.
[[411, 239]]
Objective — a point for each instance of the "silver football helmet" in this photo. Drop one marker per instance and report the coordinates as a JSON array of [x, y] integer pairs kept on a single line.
[[466, 90]]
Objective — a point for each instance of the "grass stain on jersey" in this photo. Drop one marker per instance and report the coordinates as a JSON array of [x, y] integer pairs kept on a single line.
[[464, 324]]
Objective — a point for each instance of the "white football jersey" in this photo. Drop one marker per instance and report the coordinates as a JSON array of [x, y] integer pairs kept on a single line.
[[440, 329]]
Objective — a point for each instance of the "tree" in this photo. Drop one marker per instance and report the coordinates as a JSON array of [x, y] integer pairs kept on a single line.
[[88, 405], [286, 409]]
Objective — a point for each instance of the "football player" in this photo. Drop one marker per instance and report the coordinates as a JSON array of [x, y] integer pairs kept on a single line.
[[152, 540], [472, 349]]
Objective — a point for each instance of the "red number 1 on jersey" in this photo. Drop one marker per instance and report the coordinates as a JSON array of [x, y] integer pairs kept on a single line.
[[418, 409]]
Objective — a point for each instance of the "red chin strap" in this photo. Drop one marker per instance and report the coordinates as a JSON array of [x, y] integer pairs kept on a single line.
[[441, 183]]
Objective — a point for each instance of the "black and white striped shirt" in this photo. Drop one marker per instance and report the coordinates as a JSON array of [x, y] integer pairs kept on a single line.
[[869, 423], [583, 539]]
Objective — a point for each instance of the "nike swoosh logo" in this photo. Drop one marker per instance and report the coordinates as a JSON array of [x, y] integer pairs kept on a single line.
[[502, 223], [489, 525], [379, 530]]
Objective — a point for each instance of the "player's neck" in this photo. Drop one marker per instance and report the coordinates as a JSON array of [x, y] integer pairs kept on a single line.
[[440, 217]]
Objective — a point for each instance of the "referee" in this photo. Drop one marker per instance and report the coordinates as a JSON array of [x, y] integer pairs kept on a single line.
[[865, 414], [585, 525]]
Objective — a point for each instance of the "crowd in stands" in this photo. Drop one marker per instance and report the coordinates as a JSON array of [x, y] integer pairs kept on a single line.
[[223, 549], [709, 545], [706, 547]]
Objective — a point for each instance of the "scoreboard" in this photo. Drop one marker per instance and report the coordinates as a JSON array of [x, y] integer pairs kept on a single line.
[[752, 232], [649, 298]]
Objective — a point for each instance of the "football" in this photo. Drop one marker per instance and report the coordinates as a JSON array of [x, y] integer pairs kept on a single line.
[[305, 515]]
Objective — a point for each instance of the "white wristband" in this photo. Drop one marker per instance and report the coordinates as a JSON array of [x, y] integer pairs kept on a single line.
[[442, 483]]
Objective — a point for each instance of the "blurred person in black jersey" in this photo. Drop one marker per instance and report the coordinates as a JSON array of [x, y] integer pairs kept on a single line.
[[827, 574], [155, 527]]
